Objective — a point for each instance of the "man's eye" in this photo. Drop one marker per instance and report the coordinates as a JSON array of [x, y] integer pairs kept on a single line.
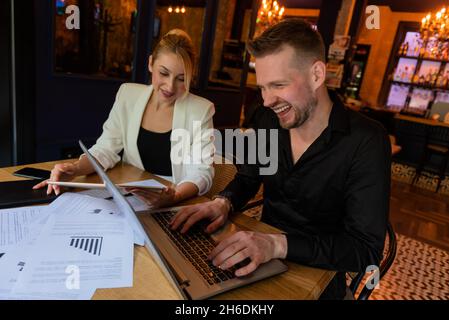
[[163, 74]]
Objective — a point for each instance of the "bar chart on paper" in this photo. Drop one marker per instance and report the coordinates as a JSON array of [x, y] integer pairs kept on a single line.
[[91, 245]]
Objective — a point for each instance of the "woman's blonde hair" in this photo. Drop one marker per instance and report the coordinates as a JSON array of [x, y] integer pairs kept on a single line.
[[178, 42]]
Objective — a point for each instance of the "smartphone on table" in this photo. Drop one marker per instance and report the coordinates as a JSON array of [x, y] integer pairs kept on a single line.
[[33, 173]]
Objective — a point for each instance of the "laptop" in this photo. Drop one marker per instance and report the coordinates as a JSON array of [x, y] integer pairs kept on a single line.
[[183, 258]]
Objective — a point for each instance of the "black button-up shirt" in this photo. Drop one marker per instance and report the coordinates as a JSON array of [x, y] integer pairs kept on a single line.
[[333, 203]]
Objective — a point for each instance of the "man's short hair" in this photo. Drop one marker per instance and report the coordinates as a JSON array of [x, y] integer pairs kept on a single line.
[[295, 32]]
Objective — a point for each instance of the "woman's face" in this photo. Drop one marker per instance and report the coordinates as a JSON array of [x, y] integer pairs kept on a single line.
[[167, 74]]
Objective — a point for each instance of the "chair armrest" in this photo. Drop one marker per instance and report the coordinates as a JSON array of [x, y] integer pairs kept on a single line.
[[252, 204]]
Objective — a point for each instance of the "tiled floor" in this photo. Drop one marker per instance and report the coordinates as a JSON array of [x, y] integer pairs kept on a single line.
[[420, 217], [419, 272]]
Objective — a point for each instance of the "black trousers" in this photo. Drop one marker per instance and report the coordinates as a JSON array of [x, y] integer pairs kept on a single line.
[[336, 290]]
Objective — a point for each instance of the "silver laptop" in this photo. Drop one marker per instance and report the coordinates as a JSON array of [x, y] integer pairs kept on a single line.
[[183, 258]]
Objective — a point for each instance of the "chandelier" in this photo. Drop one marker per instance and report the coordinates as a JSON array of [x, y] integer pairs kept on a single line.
[[435, 26], [269, 13]]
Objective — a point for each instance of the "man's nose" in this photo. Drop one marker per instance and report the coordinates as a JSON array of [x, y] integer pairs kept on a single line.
[[269, 99]]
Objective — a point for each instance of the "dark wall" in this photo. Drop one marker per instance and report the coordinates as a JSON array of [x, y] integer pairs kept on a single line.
[[68, 107], [411, 5], [5, 85], [17, 83], [327, 20], [25, 81]]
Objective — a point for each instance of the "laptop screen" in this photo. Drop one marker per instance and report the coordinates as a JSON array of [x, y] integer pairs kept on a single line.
[[129, 212]]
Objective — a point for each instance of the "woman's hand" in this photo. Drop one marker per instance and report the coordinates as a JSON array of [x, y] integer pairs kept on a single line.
[[61, 172], [155, 198]]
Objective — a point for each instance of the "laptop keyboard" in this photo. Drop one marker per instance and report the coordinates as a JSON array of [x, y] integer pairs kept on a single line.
[[195, 245]]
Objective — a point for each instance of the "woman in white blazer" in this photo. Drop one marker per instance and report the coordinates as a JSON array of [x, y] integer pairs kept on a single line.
[[161, 128]]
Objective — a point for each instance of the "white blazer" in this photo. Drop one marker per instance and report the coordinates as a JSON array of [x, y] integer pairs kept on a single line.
[[192, 115]]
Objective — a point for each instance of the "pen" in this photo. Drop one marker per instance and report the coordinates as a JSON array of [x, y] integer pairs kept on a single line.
[[77, 184]]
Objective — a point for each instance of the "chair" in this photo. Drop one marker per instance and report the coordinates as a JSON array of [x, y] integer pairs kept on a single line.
[[436, 144], [395, 148], [385, 265], [225, 170]]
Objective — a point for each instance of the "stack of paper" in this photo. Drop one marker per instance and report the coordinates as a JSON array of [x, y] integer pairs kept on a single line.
[[65, 250]]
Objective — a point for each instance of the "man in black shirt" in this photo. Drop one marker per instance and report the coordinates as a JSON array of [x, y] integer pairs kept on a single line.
[[330, 193]]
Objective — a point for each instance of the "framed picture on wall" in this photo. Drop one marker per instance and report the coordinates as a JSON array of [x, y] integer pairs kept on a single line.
[[397, 97], [420, 99], [405, 70]]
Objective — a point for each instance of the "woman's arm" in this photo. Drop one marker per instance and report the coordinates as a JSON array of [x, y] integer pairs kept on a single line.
[[66, 172], [198, 161], [185, 191]]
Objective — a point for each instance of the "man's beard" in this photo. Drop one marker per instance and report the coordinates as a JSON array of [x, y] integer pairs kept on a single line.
[[302, 114]]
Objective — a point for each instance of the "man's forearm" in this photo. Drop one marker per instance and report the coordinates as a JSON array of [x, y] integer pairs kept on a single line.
[[240, 190], [280, 246]]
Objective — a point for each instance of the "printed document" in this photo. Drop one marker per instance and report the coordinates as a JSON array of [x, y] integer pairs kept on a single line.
[[86, 244]]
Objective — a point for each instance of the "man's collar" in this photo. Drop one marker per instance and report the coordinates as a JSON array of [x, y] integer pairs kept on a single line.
[[338, 119]]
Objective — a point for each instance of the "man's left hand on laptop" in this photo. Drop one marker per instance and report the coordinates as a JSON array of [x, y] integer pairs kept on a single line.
[[258, 247]]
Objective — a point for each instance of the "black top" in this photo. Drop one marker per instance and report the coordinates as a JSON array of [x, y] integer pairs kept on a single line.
[[154, 149], [334, 202]]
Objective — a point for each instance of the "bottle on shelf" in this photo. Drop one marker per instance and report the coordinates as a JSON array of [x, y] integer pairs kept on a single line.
[[416, 50], [433, 80], [397, 75], [410, 75], [445, 79], [421, 79], [428, 78], [401, 50], [439, 82], [406, 49], [422, 51], [404, 74], [434, 50], [439, 50], [443, 52]]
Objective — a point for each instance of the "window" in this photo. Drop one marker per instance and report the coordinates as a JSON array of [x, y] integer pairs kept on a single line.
[[229, 49], [178, 14], [103, 46]]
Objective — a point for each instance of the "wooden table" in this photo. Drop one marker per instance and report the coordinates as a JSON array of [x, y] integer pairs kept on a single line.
[[299, 282]]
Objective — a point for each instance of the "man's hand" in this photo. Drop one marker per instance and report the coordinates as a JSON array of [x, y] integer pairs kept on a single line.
[[216, 211], [259, 247]]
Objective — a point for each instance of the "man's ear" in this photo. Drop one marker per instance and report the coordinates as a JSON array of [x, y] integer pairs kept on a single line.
[[150, 63], [318, 74]]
